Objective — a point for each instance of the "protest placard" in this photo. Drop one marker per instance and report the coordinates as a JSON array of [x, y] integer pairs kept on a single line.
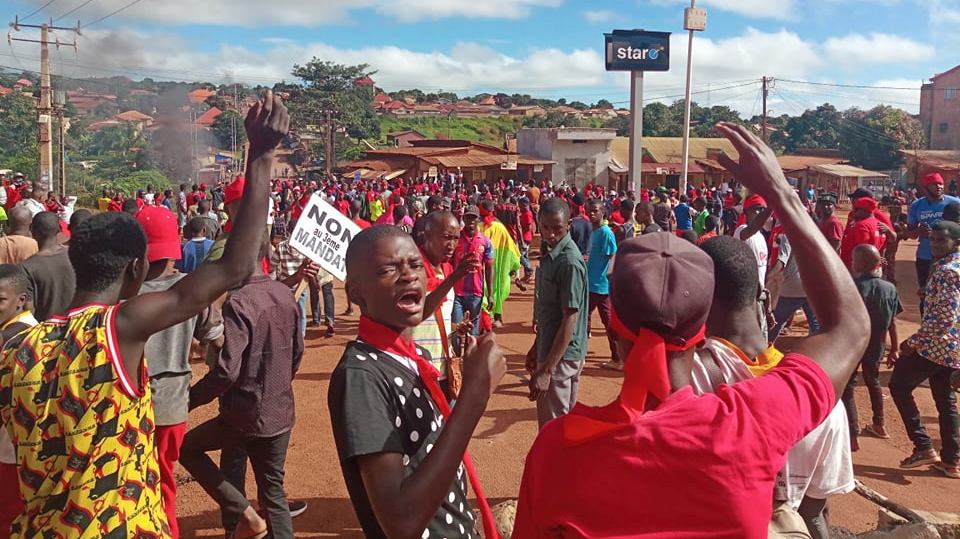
[[322, 234]]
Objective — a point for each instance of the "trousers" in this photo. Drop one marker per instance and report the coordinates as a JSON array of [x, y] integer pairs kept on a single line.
[[909, 372], [267, 457]]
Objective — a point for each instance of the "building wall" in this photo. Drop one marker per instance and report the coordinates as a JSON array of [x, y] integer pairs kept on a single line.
[[584, 162], [581, 162], [940, 111]]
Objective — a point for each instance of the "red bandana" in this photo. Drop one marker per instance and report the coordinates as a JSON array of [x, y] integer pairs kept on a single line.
[[487, 215], [383, 338], [645, 372], [433, 280]]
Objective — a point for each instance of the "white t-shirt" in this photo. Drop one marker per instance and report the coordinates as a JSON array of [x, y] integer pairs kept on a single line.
[[8, 453], [758, 244], [820, 465]]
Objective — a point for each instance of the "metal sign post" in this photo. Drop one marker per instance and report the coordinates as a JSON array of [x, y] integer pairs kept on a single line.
[[637, 51], [636, 131]]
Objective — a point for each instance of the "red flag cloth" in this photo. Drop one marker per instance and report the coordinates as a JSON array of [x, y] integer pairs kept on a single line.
[[381, 337]]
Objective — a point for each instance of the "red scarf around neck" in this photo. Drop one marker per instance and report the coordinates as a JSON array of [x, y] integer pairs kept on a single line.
[[434, 280], [388, 340]]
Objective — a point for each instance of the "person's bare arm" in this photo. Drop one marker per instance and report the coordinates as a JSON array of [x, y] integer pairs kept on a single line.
[[756, 225], [404, 506], [142, 316], [488, 275], [540, 381], [843, 318], [436, 297], [893, 354]]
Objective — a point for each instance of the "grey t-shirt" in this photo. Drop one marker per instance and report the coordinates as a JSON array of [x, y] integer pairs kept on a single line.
[[168, 362], [792, 286], [52, 283]]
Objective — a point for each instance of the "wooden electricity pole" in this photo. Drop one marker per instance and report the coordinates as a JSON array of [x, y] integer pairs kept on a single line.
[[44, 106], [766, 92]]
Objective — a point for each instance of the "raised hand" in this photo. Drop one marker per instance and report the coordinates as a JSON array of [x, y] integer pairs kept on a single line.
[[266, 124], [758, 168]]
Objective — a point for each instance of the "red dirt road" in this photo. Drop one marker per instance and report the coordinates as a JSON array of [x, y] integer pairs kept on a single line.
[[504, 435]]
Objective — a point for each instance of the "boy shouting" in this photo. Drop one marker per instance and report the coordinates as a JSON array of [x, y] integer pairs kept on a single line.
[[402, 451]]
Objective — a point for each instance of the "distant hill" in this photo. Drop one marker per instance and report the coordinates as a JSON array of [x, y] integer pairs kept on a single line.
[[486, 130]]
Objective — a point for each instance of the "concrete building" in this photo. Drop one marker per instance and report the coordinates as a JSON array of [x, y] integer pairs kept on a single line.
[[582, 154], [940, 110]]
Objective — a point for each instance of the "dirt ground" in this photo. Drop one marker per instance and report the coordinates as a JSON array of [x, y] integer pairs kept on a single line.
[[507, 430]]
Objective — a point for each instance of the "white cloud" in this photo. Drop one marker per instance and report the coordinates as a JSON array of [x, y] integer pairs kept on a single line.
[[307, 13], [466, 66], [599, 16], [857, 49], [469, 67], [761, 9]]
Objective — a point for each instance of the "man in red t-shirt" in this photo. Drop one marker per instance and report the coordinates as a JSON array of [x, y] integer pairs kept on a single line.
[[887, 230], [829, 223], [661, 461], [862, 228]]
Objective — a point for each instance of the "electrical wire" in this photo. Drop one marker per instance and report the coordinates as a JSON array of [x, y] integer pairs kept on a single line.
[[38, 10], [72, 11], [112, 13], [858, 86]]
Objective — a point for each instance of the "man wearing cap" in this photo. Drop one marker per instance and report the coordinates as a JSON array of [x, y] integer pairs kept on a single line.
[[923, 214], [168, 351], [560, 311], [863, 228], [468, 292], [660, 460]]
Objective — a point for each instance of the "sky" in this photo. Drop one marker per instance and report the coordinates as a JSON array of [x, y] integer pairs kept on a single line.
[[546, 48]]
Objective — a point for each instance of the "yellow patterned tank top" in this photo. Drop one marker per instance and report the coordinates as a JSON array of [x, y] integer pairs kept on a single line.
[[83, 432]]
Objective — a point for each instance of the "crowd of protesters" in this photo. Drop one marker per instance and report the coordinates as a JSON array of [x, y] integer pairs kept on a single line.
[[102, 314]]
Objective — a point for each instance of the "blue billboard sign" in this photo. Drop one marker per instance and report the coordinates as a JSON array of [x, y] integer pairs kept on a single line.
[[637, 50]]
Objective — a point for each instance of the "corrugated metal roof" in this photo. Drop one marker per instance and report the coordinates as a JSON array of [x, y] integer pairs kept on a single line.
[[670, 149], [476, 161], [849, 171], [800, 162]]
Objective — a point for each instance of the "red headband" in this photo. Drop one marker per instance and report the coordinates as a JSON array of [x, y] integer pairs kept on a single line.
[[645, 372]]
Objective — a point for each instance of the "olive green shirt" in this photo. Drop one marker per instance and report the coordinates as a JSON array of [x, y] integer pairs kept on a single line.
[[561, 283]]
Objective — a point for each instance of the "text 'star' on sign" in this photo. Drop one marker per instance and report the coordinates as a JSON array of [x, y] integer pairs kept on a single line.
[[323, 234]]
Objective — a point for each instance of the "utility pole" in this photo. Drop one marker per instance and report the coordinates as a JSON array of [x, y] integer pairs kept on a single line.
[[44, 107], [328, 152], [766, 91], [61, 151], [694, 20]]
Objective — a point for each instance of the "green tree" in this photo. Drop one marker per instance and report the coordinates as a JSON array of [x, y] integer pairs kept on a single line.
[[815, 128], [552, 119], [873, 139], [660, 120], [18, 116], [327, 86], [227, 126], [621, 124], [604, 104]]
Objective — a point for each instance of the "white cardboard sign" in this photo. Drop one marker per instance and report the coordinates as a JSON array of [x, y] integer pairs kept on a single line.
[[322, 234]]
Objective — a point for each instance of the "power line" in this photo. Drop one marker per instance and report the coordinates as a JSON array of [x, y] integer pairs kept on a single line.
[[38, 10], [111, 14], [72, 11], [858, 86]]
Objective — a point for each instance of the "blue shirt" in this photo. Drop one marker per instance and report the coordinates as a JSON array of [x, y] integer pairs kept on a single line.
[[194, 253], [684, 220], [924, 211], [603, 245]]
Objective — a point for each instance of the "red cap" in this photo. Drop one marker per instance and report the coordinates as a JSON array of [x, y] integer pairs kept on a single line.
[[933, 177], [754, 200], [234, 191], [163, 235], [866, 203]]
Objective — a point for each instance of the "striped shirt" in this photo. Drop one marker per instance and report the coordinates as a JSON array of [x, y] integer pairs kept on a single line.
[[428, 335]]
